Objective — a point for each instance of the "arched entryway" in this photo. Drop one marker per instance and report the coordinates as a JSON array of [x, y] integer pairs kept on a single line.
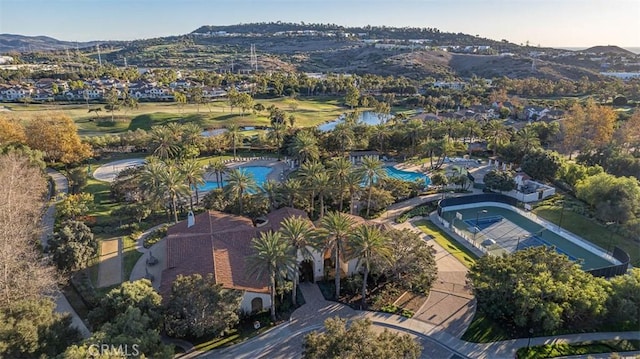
[[306, 271], [256, 305]]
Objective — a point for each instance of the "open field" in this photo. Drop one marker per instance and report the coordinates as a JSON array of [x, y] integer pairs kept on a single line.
[[217, 114]]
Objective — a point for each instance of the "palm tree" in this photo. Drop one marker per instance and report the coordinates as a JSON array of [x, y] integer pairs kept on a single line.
[[239, 182], [380, 135], [527, 138], [340, 168], [372, 170], [353, 184], [276, 135], [219, 168], [270, 189], [367, 243], [193, 173], [273, 257], [234, 136], [290, 188], [174, 185], [413, 129], [307, 173], [151, 181], [496, 134], [299, 233], [304, 147], [343, 133], [321, 183], [164, 142], [334, 231]]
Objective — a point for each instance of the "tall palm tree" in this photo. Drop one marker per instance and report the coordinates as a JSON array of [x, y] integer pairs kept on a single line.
[[307, 174], [322, 184], [353, 184], [173, 182], [413, 129], [334, 232], [380, 135], [276, 135], [290, 188], [305, 147], [366, 243], [339, 169], [299, 233], [344, 135], [219, 168], [372, 170], [274, 258], [239, 182], [193, 173], [151, 181], [234, 136]]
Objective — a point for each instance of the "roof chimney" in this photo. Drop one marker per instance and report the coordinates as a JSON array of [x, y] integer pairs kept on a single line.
[[191, 219]]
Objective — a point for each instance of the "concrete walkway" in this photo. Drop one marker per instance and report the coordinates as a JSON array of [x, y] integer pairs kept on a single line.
[[158, 250], [62, 304], [110, 266]]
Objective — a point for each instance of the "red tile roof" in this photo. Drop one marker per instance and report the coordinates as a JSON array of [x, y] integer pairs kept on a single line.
[[218, 243]]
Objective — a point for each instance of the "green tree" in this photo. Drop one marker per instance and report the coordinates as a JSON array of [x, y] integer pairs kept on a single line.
[[352, 97], [218, 168], [198, 306], [164, 142], [368, 243], [73, 246], [74, 206], [32, 329], [77, 179], [299, 233], [358, 341], [239, 182], [180, 98], [613, 198], [541, 165], [372, 170], [439, 179], [112, 97], [411, 263], [173, 184], [308, 174], [273, 258], [496, 134], [538, 289], [290, 189], [624, 301], [139, 294], [499, 181], [334, 233]]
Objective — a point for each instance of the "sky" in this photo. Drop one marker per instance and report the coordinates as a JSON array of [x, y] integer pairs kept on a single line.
[[552, 23]]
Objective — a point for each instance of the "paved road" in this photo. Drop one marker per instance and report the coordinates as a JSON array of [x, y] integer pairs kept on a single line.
[[62, 304]]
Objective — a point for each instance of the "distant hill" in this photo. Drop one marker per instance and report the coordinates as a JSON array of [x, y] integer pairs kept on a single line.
[[610, 49], [11, 42]]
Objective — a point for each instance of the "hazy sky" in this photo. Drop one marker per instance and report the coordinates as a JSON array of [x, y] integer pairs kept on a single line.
[[545, 22]]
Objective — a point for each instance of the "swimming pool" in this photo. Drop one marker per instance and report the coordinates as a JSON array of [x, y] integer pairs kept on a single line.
[[406, 175], [259, 174]]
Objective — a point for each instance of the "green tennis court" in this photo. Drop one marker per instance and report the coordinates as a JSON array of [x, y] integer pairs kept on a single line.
[[501, 230]]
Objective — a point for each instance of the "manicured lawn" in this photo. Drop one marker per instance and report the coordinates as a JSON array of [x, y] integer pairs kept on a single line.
[[583, 348], [485, 330], [447, 242], [130, 256], [590, 230]]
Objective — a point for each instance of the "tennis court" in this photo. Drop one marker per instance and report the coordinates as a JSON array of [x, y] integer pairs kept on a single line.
[[501, 230]]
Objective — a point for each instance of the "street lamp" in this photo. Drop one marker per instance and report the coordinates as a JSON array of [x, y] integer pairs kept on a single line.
[[530, 335]]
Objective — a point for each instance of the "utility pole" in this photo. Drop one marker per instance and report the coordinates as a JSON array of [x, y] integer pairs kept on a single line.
[[99, 56]]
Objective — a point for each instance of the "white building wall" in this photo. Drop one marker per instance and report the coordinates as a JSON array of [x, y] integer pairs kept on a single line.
[[245, 304], [318, 263]]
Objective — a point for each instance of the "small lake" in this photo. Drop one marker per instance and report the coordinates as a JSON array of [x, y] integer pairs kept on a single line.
[[366, 117]]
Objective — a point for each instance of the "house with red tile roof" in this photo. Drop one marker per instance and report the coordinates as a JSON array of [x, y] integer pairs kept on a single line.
[[220, 244]]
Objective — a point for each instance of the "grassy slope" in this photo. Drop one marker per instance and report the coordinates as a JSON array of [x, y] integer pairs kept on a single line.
[[590, 230], [452, 246]]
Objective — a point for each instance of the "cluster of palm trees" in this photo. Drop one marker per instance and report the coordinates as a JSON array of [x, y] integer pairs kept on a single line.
[[276, 254], [339, 179]]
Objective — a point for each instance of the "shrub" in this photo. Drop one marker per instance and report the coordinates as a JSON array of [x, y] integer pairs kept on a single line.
[[389, 308], [84, 287], [155, 236], [422, 210], [407, 313]]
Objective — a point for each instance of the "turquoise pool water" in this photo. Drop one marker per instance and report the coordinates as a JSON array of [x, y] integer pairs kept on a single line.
[[407, 175], [259, 173]]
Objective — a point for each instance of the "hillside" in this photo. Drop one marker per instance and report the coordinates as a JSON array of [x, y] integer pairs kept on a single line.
[[609, 49], [21, 43]]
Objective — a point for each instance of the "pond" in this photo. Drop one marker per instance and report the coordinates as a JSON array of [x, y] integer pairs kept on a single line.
[[367, 117]]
